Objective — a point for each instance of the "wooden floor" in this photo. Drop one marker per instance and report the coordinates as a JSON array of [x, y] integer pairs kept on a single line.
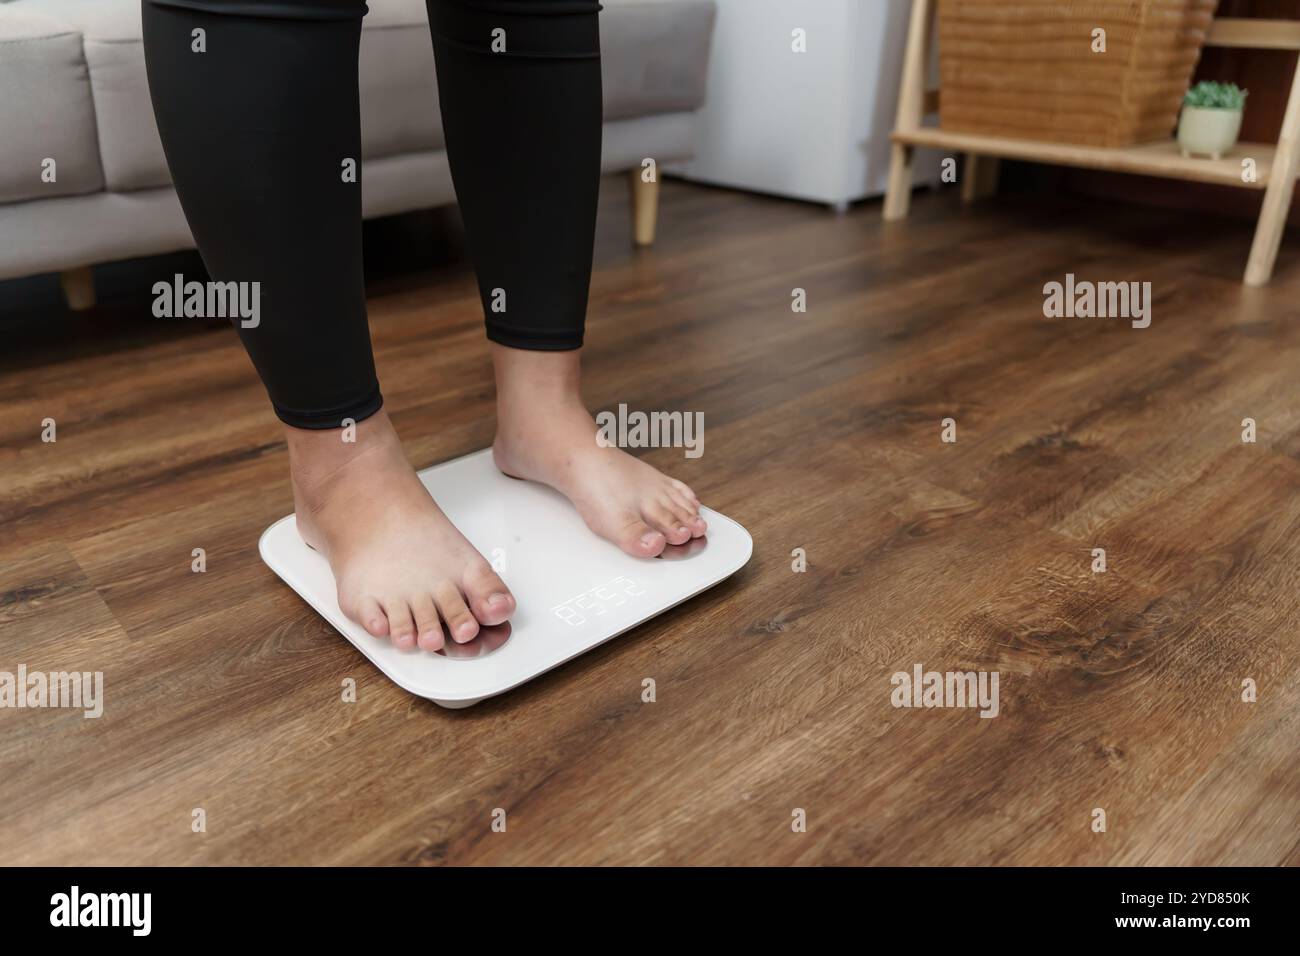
[[1119, 691]]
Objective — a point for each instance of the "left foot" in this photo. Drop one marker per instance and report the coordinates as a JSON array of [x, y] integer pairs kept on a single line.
[[546, 434], [621, 498]]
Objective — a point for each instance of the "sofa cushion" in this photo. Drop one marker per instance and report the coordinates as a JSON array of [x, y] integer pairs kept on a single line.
[[399, 92], [399, 102], [46, 110], [654, 56], [129, 148]]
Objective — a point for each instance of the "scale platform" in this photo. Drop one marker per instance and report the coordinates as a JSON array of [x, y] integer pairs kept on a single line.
[[572, 589]]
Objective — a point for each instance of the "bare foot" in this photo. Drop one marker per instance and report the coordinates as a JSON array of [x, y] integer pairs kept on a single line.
[[546, 434], [399, 564]]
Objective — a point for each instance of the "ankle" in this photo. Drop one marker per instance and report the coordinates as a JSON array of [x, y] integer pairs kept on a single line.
[[538, 412], [317, 454], [527, 379]]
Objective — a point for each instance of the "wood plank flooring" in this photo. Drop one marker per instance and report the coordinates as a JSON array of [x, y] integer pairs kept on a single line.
[[1119, 691]]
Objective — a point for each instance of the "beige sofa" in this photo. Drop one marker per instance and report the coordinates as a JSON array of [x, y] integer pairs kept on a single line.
[[73, 90]]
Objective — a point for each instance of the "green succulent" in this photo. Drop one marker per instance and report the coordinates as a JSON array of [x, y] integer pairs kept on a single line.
[[1216, 96]]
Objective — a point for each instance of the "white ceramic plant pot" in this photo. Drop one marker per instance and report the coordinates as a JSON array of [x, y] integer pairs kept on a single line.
[[1205, 131]]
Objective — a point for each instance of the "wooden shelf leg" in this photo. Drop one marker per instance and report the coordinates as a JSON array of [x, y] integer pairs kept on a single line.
[[1277, 198], [79, 287], [911, 107], [1272, 218], [645, 207], [898, 197], [979, 178]]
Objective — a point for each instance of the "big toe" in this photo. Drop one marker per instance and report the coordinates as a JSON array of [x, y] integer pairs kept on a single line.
[[487, 595]]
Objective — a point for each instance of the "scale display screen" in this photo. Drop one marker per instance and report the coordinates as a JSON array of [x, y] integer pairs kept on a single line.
[[598, 601]]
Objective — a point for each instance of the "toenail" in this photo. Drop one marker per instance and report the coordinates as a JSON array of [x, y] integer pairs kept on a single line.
[[497, 600], [683, 530], [652, 538]]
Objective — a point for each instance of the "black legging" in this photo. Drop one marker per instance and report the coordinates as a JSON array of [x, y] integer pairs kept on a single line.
[[257, 129]]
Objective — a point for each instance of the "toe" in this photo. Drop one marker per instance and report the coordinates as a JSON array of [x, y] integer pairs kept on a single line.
[[682, 502], [373, 618], [688, 509], [699, 527], [428, 629], [660, 516], [431, 640], [400, 623], [685, 514], [460, 622], [639, 539], [489, 598], [685, 489], [369, 615]]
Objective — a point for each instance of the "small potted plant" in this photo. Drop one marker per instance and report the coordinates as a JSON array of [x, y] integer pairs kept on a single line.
[[1211, 119]]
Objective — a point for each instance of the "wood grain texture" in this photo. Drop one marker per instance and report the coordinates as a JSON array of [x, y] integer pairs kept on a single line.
[[1118, 690]]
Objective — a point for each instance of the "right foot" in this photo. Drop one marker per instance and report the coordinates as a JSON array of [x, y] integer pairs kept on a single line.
[[402, 569]]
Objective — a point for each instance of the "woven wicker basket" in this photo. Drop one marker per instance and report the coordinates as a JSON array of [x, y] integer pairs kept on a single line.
[[1025, 68]]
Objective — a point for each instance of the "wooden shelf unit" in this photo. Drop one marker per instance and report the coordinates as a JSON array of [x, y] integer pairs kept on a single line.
[[1276, 165]]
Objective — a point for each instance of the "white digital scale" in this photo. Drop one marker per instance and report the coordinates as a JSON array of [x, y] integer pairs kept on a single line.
[[572, 589]]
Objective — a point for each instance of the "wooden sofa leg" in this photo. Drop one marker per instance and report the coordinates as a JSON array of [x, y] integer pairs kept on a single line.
[[645, 207], [79, 287]]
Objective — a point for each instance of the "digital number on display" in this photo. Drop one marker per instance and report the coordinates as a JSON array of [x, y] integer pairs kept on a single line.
[[599, 600]]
